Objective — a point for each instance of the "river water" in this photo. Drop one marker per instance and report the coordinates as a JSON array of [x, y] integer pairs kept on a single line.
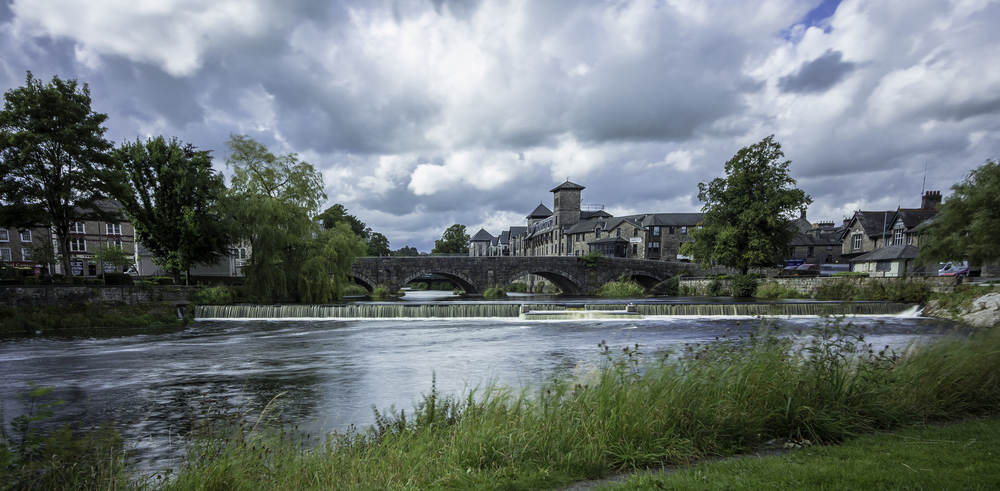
[[330, 372]]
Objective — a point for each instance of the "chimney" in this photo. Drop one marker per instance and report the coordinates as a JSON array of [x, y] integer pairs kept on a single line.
[[802, 213], [930, 200]]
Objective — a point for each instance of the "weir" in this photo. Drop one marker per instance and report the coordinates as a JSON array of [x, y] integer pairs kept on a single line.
[[384, 311]]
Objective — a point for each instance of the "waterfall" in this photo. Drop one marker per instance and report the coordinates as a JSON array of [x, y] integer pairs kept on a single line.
[[388, 311]]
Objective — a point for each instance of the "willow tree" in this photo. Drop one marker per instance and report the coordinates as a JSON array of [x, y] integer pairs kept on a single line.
[[54, 159], [748, 214], [273, 199], [327, 266]]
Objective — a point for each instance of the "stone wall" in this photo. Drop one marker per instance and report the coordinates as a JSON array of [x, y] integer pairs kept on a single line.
[[808, 285], [24, 295]]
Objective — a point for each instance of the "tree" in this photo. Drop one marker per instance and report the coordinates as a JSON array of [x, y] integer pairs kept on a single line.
[[378, 245], [171, 194], [968, 226], [454, 240], [406, 251], [338, 214], [273, 199], [748, 215], [54, 160], [328, 264], [43, 253]]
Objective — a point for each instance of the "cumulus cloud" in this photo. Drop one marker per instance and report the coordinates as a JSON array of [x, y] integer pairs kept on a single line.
[[424, 114]]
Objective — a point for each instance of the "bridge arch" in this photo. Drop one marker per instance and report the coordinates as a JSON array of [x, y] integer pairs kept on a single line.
[[566, 282], [464, 282], [364, 281], [644, 278]]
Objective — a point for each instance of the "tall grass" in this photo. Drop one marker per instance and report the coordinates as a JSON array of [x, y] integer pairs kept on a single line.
[[621, 288], [636, 410]]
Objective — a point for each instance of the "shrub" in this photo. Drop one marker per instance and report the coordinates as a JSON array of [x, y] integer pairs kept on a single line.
[[774, 290], [353, 290], [380, 293], [744, 285], [32, 280], [494, 293], [418, 286], [621, 288], [217, 295], [715, 289], [594, 259], [117, 279], [837, 290], [517, 287]]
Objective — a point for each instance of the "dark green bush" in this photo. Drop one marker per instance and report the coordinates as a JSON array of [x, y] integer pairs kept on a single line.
[[217, 295], [117, 279], [517, 287], [837, 290], [744, 285], [494, 292]]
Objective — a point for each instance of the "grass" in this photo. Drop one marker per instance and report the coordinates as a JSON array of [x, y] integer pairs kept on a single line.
[[636, 411], [54, 318], [952, 303], [774, 290], [953, 456]]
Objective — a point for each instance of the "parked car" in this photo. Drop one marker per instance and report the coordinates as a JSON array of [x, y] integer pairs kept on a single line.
[[955, 269], [806, 270], [831, 269]]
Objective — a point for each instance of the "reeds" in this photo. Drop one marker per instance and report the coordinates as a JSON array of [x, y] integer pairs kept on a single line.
[[635, 410]]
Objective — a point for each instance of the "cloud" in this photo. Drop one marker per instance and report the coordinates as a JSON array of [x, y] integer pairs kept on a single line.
[[817, 75]]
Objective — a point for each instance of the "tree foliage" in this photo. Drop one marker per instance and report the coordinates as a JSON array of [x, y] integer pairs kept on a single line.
[[54, 160], [748, 215], [376, 244], [968, 226], [406, 251], [454, 240], [172, 196], [274, 199]]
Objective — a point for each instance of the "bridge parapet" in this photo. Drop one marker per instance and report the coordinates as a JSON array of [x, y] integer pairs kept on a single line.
[[476, 274]]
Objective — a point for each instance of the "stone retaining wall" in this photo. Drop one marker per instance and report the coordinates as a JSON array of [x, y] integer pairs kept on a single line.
[[39, 295], [808, 285]]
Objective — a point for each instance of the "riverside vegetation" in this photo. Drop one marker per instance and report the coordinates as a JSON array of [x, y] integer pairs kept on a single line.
[[76, 316], [636, 410]]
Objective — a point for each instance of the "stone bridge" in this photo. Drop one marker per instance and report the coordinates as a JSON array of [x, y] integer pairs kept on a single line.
[[476, 274]]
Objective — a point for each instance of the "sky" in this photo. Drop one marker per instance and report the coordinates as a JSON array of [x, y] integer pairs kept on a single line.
[[422, 114]]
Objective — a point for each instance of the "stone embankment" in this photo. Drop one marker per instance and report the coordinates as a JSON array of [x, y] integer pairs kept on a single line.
[[808, 285], [983, 311], [42, 295]]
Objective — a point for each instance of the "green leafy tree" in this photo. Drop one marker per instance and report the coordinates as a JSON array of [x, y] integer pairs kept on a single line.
[[454, 240], [273, 200], [338, 214], [406, 251], [328, 264], [748, 215], [43, 253], [172, 196], [378, 245], [968, 226], [117, 257], [54, 160]]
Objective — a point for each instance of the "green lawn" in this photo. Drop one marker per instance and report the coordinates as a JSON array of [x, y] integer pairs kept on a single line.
[[954, 456]]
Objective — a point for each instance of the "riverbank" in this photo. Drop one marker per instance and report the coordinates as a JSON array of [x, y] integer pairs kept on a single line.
[[49, 319]]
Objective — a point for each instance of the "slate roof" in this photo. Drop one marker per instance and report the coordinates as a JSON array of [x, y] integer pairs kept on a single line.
[[669, 219], [608, 240], [482, 236], [504, 237], [567, 185], [911, 218], [540, 212], [586, 215], [874, 223], [888, 254], [515, 231]]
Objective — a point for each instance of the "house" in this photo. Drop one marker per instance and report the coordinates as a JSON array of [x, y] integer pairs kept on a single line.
[[867, 231], [889, 261], [481, 243], [820, 243]]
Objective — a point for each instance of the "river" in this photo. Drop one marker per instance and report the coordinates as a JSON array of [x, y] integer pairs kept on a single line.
[[331, 371]]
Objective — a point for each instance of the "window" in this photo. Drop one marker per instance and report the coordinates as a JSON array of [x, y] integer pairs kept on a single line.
[[77, 244], [4, 237], [654, 245], [909, 239], [114, 229], [671, 231], [635, 249], [77, 228], [5, 254], [25, 254], [684, 230], [791, 251], [857, 241], [883, 266], [115, 243], [656, 231], [829, 248], [618, 231], [635, 232], [26, 236], [597, 233], [809, 252]]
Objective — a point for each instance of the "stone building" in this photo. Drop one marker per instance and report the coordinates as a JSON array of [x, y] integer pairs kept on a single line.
[[867, 231], [572, 228]]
